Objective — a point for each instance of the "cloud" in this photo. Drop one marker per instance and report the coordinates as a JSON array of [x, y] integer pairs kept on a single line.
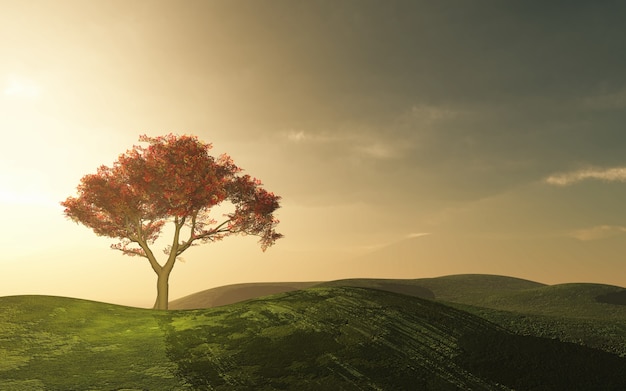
[[598, 232], [296, 136], [378, 151], [416, 234], [307, 136], [616, 174], [357, 142]]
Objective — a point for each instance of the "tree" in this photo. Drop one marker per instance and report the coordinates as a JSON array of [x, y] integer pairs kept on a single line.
[[172, 180]]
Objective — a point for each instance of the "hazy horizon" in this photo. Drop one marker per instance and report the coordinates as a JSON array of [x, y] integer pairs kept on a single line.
[[486, 136]]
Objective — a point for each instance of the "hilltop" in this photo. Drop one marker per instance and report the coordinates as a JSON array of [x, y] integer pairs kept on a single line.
[[588, 314], [445, 288], [229, 294]]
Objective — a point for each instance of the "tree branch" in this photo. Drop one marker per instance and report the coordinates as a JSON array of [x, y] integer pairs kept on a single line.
[[150, 255], [127, 251], [175, 243], [185, 245], [206, 235]]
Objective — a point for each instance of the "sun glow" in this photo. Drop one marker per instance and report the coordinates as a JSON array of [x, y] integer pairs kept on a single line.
[[33, 199], [20, 87]]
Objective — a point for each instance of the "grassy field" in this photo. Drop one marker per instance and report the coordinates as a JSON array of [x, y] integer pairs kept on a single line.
[[53, 343], [526, 337], [587, 314]]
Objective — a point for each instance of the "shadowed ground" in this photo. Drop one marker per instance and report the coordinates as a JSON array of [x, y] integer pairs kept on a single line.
[[616, 298]]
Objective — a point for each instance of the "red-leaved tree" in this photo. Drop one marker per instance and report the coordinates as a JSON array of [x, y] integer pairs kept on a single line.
[[172, 180]]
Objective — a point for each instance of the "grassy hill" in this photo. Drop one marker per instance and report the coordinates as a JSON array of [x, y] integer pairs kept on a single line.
[[456, 288], [587, 314], [450, 288], [55, 343], [235, 293], [325, 338]]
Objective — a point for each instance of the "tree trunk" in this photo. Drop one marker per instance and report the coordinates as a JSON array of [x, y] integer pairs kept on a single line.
[[162, 290]]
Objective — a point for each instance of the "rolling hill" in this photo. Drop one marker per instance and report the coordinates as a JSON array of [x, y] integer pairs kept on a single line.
[[587, 314], [442, 254], [480, 290], [327, 337], [448, 288], [235, 293]]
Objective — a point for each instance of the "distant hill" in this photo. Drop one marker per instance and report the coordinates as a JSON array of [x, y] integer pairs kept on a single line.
[[593, 311], [570, 300], [448, 288], [482, 290], [319, 338], [441, 254], [235, 293]]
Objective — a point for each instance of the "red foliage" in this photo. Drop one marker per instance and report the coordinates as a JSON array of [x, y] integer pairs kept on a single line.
[[173, 178]]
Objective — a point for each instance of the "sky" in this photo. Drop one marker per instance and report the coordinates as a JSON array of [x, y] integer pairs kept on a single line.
[[407, 139]]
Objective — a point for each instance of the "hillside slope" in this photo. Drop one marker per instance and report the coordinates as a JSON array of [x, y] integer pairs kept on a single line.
[[447, 288], [57, 343], [461, 287], [364, 339], [229, 294], [313, 339]]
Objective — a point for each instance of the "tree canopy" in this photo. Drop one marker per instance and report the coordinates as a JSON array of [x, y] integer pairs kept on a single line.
[[172, 179]]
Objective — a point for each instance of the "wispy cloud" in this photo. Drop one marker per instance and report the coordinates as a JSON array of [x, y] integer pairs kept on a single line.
[[360, 144], [416, 234], [616, 174], [378, 150], [302, 136], [598, 232], [296, 136]]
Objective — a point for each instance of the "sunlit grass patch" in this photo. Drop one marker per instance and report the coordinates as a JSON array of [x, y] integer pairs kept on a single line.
[[77, 344]]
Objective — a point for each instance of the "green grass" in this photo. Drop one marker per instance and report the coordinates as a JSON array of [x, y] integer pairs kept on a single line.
[[465, 288], [567, 312], [577, 313], [323, 338], [569, 300], [56, 343]]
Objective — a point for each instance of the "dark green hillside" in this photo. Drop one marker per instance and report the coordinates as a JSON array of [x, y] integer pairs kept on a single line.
[[616, 297], [325, 338], [568, 312], [351, 338], [568, 300], [466, 288], [313, 339], [579, 300], [587, 314], [470, 287]]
